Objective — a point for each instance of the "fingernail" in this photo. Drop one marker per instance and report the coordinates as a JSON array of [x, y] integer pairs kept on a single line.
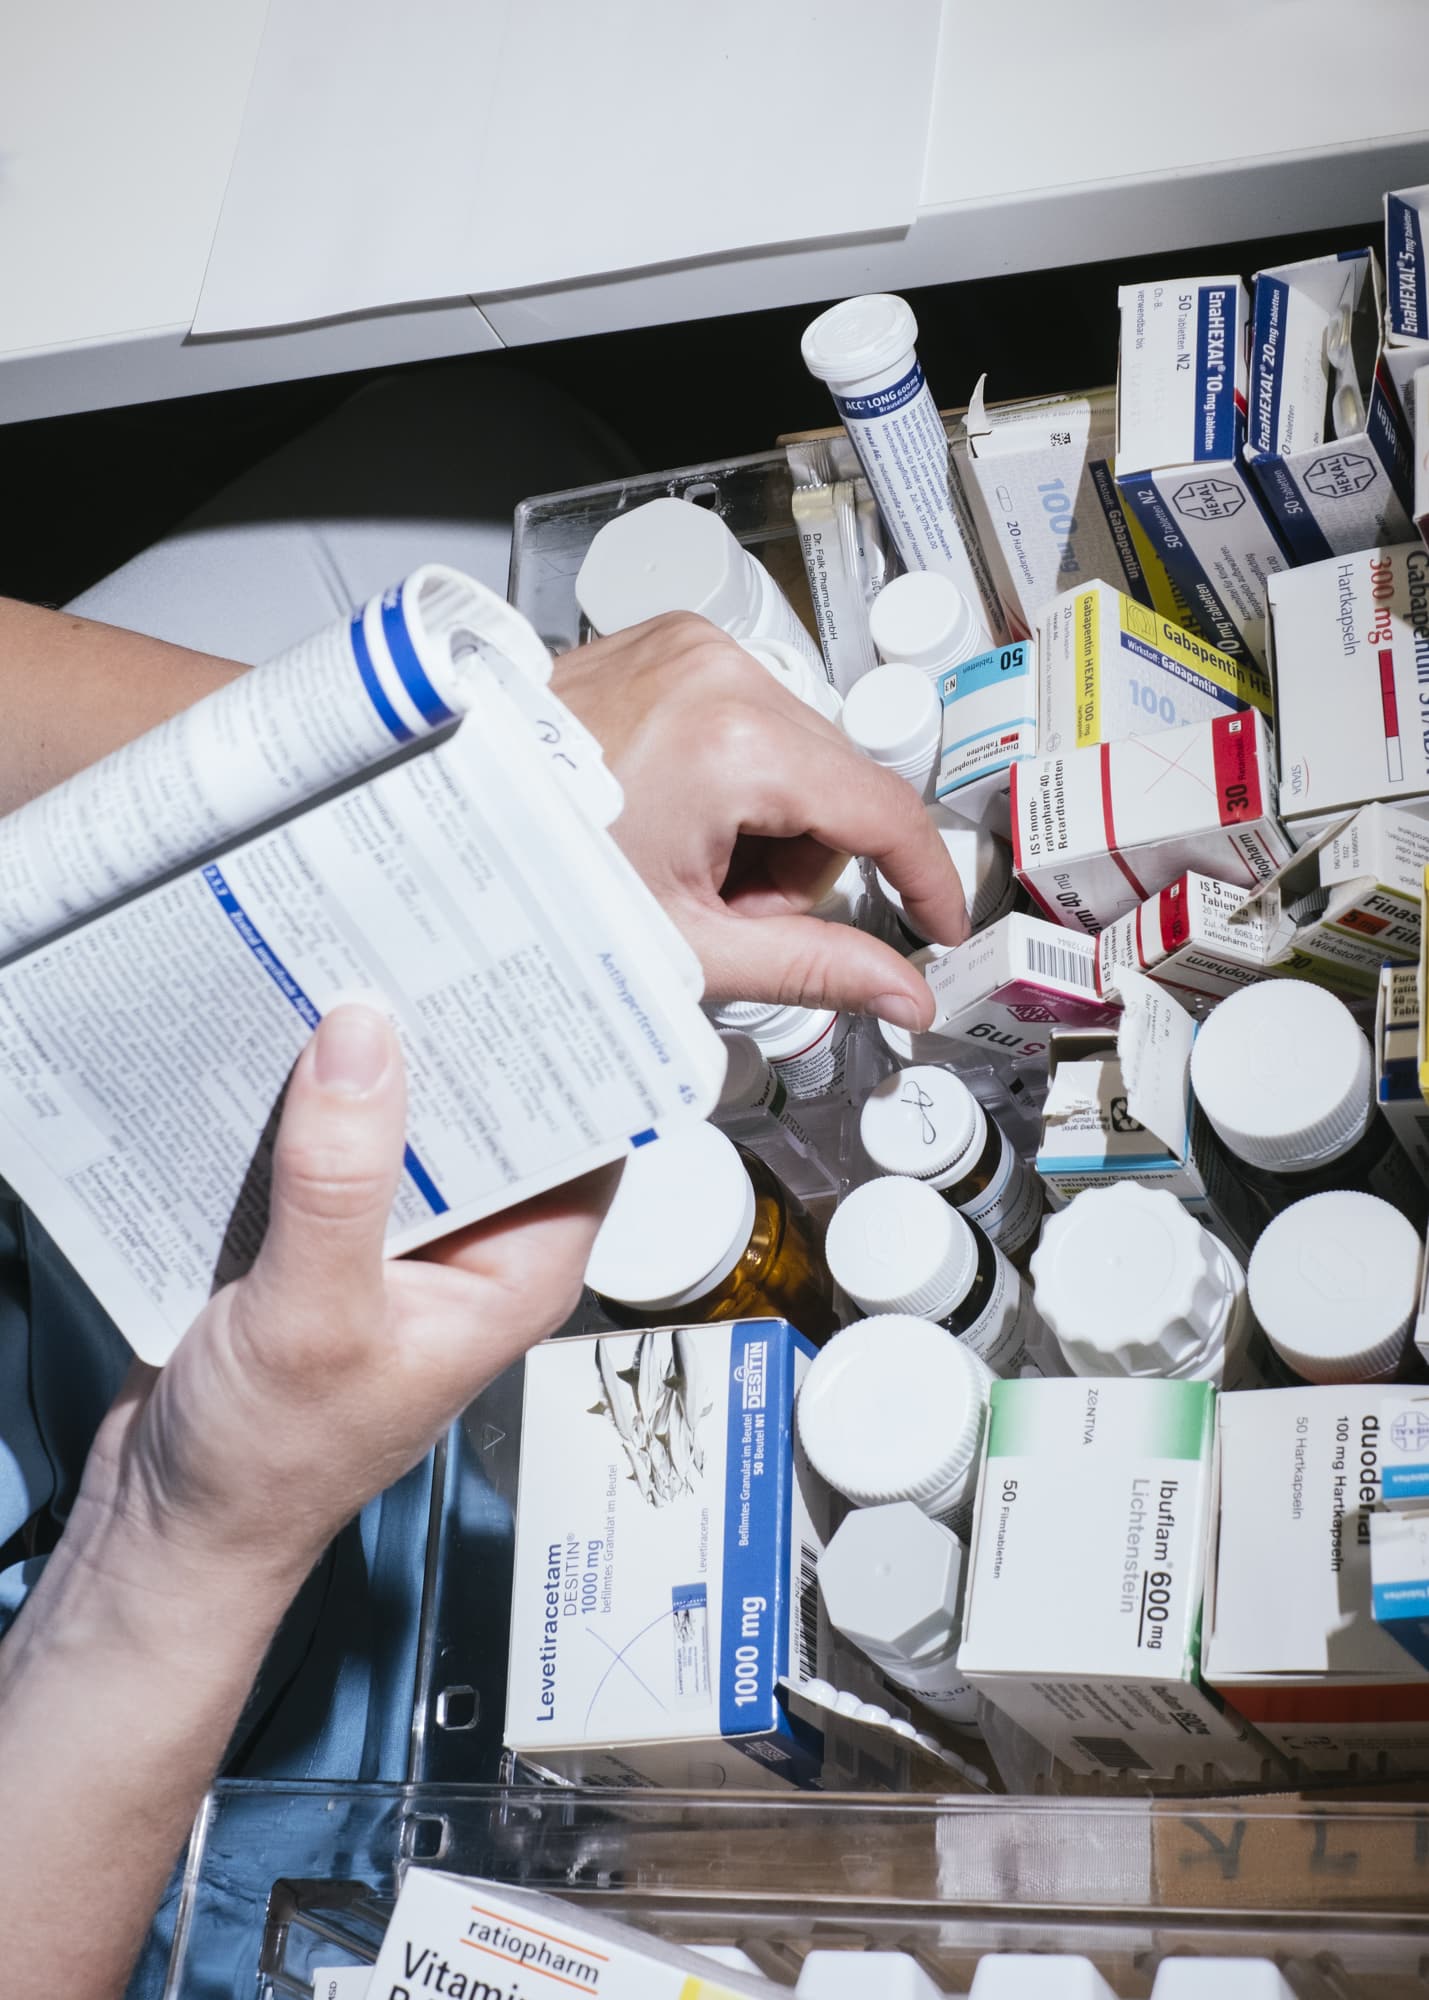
[[898, 1010], [352, 1050]]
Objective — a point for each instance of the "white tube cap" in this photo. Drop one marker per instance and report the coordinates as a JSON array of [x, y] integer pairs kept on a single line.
[[1283, 1072], [1037, 1975], [1226, 1978], [891, 1580], [919, 1122], [680, 1221], [1334, 1283], [896, 1246], [925, 621], [860, 337], [668, 555], [1129, 1282], [893, 1408], [855, 1975], [894, 716]]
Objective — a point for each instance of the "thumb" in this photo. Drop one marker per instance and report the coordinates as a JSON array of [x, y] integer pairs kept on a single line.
[[336, 1163], [805, 962]]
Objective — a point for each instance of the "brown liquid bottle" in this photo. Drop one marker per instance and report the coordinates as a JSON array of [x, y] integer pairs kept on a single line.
[[701, 1230]]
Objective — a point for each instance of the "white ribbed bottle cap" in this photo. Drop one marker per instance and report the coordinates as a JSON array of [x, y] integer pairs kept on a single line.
[[983, 862], [1334, 1283], [1284, 1074], [1129, 1283], [922, 1122], [891, 1580], [668, 555], [779, 1031], [896, 1246], [746, 1073], [680, 1222], [894, 716], [859, 338], [893, 1408], [924, 620]]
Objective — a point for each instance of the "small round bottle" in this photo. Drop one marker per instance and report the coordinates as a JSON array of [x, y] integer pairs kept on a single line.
[[1131, 1284], [795, 672], [892, 1409], [923, 620], [1283, 1074], [670, 555], [701, 1230], [984, 865], [892, 1582], [842, 900], [1334, 1282], [751, 1085], [893, 715], [924, 1122], [895, 1246], [806, 1047]]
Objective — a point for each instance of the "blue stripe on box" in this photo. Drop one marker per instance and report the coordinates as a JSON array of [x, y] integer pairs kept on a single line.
[[413, 675], [1267, 356], [1404, 280], [367, 674], [1215, 371], [754, 1607]]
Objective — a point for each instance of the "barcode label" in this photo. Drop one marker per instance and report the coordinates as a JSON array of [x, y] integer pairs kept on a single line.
[[806, 1615], [1059, 961], [1113, 1753]]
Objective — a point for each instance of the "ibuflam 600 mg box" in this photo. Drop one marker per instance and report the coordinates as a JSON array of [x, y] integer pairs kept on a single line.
[[1088, 1564], [667, 1537], [1108, 667], [1179, 465]]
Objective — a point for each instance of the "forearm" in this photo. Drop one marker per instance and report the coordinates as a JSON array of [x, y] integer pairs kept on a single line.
[[72, 690], [120, 1685]]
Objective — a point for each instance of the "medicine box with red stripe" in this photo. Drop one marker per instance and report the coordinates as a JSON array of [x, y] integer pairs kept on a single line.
[[1099, 830], [1349, 653], [1290, 1636], [1006, 989]]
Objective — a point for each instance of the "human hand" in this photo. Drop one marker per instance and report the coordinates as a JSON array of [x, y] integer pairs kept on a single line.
[[741, 805], [327, 1371]]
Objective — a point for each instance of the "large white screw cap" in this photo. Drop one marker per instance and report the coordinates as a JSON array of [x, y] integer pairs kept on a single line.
[[1128, 1282], [859, 338], [1283, 1072], [922, 619], [891, 1579], [1334, 1283], [895, 1246], [893, 1408], [679, 1223], [667, 555], [920, 1121]]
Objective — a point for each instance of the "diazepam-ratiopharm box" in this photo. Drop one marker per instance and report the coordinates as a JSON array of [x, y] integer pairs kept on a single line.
[[1350, 662], [1097, 831], [1179, 466]]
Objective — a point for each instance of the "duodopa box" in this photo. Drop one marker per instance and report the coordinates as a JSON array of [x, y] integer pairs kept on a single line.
[[1088, 1567], [1108, 667], [667, 1536], [1097, 831], [1179, 465], [1291, 1638], [1326, 441], [1349, 657]]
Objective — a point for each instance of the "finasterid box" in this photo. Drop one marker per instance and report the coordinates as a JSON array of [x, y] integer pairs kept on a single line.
[[667, 1536]]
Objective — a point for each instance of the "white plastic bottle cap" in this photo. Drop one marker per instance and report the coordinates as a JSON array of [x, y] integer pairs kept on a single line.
[[795, 672], [893, 1408], [746, 1074], [1130, 1283], [1037, 1975], [680, 1221], [894, 716], [923, 1122], [891, 1580], [1220, 1979], [779, 1031], [895, 1246], [855, 1975], [924, 620], [1283, 1072], [1334, 1282], [668, 555], [983, 862], [860, 338]]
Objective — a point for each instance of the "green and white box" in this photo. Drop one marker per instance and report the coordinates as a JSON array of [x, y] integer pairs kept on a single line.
[[1087, 1574]]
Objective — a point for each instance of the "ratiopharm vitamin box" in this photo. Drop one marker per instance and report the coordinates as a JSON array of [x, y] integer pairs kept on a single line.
[[1350, 664], [1406, 292], [1290, 1634], [1179, 465], [1005, 989], [1108, 667], [666, 1540], [1086, 1577], [1326, 440], [1099, 830]]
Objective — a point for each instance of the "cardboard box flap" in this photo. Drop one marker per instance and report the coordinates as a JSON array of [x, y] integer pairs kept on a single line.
[[1154, 1045]]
